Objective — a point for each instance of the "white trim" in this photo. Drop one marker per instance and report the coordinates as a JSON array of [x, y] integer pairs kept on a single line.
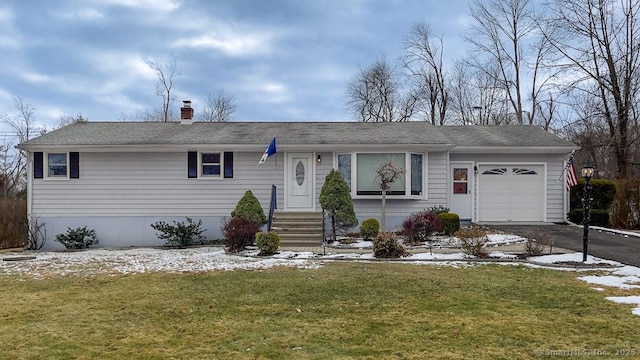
[[312, 177], [407, 181], [471, 182], [210, 177], [30, 186], [512, 163], [45, 167]]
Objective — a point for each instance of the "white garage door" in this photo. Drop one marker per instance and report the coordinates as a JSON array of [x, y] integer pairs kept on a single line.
[[511, 193]]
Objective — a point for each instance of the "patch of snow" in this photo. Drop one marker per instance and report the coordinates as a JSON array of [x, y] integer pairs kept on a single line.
[[633, 300], [503, 239], [359, 244], [624, 283], [616, 231], [598, 289], [436, 256], [572, 257], [501, 255], [95, 261]]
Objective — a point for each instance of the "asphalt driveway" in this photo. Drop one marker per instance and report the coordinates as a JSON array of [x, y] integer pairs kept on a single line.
[[605, 245]]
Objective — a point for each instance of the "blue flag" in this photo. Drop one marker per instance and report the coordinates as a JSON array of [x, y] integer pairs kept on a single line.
[[270, 151]]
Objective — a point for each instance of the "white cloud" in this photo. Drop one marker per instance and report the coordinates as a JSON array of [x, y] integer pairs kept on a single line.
[[83, 15], [237, 45], [152, 5]]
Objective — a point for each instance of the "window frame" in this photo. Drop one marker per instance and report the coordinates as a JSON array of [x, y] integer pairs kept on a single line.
[[45, 166], [203, 176], [407, 176]]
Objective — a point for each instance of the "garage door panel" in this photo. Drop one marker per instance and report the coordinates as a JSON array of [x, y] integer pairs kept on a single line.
[[511, 193]]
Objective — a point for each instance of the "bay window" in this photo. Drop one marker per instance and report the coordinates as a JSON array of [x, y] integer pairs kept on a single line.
[[359, 171]]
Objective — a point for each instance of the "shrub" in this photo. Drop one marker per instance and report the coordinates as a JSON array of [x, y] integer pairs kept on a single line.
[[78, 238], [335, 198], [535, 245], [419, 226], [369, 228], [239, 232], [603, 193], [180, 233], [386, 245], [268, 243], [625, 210], [438, 209], [596, 217], [249, 207], [449, 222], [472, 241]]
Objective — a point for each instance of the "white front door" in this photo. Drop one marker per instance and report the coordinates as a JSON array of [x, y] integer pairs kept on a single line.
[[299, 181], [460, 190]]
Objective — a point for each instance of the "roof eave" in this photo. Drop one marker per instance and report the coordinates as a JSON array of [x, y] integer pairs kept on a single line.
[[515, 149]]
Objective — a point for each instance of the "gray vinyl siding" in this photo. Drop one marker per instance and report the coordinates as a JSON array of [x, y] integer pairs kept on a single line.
[[322, 169], [154, 184], [555, 186]]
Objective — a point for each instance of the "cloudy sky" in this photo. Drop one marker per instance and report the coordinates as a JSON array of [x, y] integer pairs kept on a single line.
[[282, 60]]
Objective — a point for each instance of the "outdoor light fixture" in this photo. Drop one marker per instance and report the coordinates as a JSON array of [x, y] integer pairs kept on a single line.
[[587, 173], [319, 159], [475, 169]]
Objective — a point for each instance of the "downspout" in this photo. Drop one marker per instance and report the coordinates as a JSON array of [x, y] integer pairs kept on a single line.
[[29, 187]]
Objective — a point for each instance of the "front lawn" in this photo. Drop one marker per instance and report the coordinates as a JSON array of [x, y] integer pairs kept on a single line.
[[340, 310]]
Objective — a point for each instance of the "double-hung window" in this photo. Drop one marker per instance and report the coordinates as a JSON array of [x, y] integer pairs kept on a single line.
[[360, 172], [210, 164], [57, 165]]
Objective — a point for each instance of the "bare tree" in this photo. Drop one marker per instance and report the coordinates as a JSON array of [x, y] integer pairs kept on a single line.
[[14, 162], [218, 108], [166, 73], [598, 43], [423, 61], [388, 173], [376, 95], [65, 120], [503, 36]]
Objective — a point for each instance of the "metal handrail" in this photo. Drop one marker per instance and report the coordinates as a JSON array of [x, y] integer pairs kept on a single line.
[[272, 207]]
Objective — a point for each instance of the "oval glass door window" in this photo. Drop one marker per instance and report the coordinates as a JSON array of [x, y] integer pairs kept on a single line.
[[300, 173]]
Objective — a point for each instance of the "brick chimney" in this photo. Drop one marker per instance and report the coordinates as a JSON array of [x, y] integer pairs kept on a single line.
[[186, 113]]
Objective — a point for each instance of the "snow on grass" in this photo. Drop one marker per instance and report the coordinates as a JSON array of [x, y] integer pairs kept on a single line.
[[142, 260], [437, 242], [624, 283], [572, 257], [633, 300]]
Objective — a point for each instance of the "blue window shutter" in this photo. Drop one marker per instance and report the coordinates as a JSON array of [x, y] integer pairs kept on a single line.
[[192, 164], [228, 165], [74, 165], [38, 165]]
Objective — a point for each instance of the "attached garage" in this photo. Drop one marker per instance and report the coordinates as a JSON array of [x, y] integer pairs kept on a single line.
[[511, 192]]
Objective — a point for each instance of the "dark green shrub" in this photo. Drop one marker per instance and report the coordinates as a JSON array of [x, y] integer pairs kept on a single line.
[[386, 245], [625, 210], [603, 193], [473, 241], [336, 200], [78, 238], [597, 217], [238, 232], [249, 207], [180, 233], [267, 243], [449, 223], [369, 228], [438, 209], [419, 226]]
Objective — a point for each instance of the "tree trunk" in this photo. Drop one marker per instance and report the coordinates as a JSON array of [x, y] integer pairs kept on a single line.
[[384, 209]]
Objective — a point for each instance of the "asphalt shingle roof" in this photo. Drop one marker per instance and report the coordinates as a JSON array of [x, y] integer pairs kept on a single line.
[[294, 133]]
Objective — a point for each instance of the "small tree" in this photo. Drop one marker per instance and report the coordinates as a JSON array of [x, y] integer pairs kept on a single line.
[[335, 198], [388, 173], [249, 207]]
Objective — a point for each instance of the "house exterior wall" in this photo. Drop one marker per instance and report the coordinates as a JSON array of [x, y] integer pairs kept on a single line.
[[554, 183], [398, 209], [122, 194]]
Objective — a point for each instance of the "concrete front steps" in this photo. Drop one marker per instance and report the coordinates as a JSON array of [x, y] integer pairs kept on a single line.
[[298, 228]]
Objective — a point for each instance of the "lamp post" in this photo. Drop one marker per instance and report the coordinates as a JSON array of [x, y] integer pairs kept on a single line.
[[587, 173]]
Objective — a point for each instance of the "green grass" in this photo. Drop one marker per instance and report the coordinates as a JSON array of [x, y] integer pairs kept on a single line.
[[342, 310]]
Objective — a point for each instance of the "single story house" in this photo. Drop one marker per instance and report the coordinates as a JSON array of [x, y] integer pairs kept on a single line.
[[120, 177]]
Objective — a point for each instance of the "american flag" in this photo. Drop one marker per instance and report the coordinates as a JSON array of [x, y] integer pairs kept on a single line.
[[571, 177]]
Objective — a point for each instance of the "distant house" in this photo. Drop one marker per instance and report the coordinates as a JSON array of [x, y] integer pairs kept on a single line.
[[120, 177]]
